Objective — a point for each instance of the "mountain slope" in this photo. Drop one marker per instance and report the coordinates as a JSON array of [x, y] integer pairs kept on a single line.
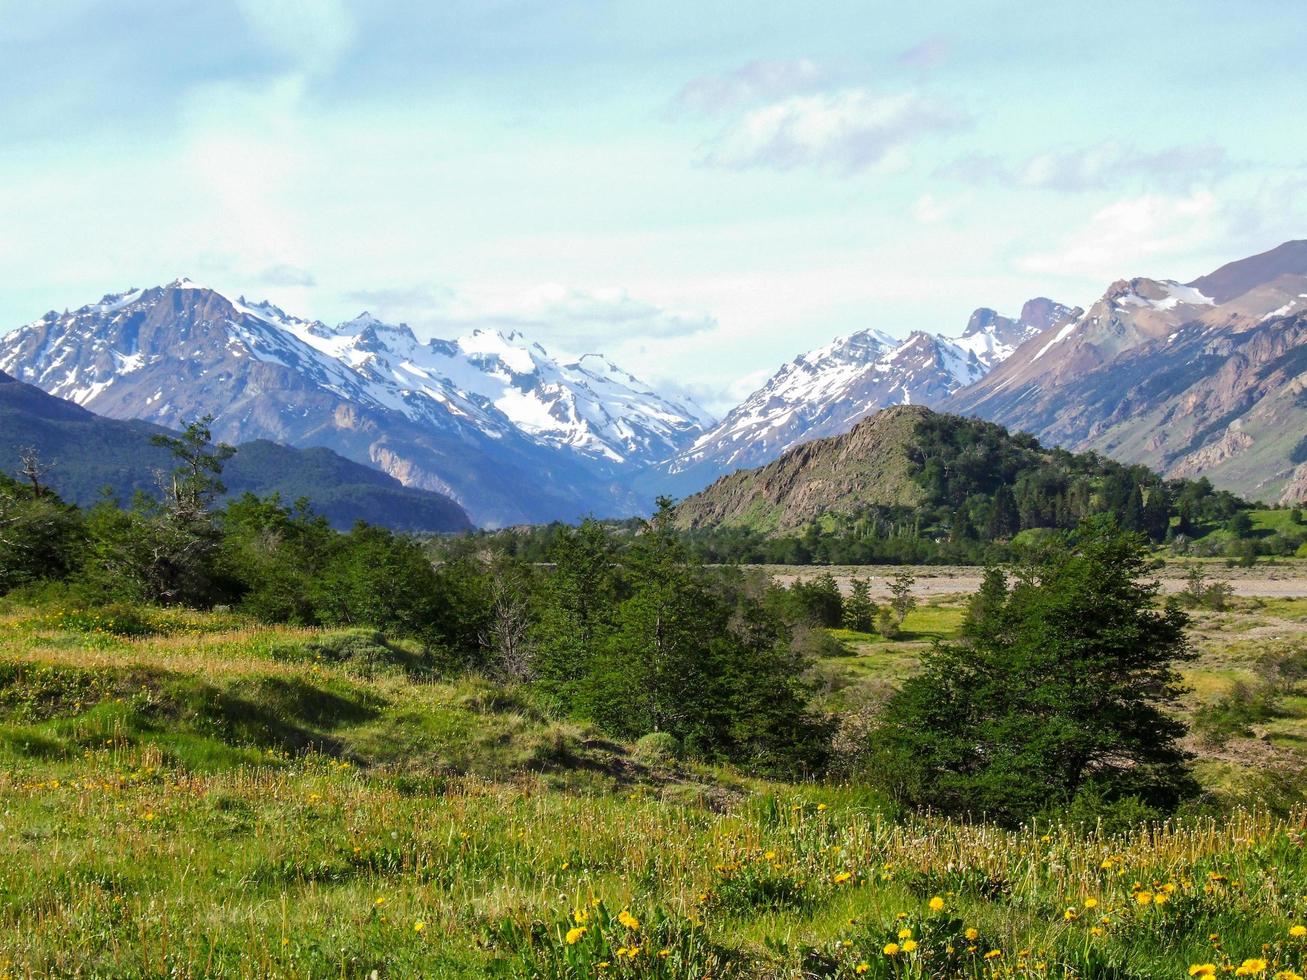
[[869, 464], [505, 431], [89, 452], [1199, 378], [826, 391]]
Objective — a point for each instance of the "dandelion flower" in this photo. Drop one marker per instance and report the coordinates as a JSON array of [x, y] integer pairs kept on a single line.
[[905, 933], [574, 935], [937, 904], [862, 968], [972, 934], [628, 920], [910, 946], [891, 949], [1297, 932], [842, 877], [419, 927]]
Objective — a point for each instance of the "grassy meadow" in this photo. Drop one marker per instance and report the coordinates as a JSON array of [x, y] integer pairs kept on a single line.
[[190, 795]]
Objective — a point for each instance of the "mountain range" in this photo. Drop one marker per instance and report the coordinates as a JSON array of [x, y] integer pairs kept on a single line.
[[1206, 377], [826, 391], [86, 453], [493, 422]]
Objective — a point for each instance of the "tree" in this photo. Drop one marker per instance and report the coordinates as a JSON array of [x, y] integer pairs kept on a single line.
[[1240, 524], [166, 550], [821, 599], [194, 482], [1056, 691], [902, 601], [859, 609], [576, 606], [1005, 519], [33, 470], [507, 636], [41, 537], [688, 655]]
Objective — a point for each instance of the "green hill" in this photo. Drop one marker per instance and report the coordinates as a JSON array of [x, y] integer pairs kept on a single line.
[[88, 452], [908, 474]]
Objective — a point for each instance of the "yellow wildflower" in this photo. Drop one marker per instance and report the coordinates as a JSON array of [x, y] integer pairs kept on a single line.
[[891, 949], [937, 904], [972, 933], [1297, 932], [1202, 970], [628, 920], [905, 933], [910, 946], [842, 877], [419, 927], [862, 968], [575, 934]]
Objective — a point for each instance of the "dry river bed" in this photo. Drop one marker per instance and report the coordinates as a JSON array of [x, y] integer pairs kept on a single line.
[[1285, 579]]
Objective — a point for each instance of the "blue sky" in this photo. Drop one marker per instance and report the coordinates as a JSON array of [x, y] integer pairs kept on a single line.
[[700, 189]]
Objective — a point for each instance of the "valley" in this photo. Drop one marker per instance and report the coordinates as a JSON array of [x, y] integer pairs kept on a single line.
[[222, 798]]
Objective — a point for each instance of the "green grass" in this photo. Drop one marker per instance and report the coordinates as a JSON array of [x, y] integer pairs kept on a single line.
[[210, 798]]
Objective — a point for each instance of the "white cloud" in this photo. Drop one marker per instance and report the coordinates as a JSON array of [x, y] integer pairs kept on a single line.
[[1102, 165], [1129, 232], [572, 320], [847, 131], [758, 81], [930, 210]]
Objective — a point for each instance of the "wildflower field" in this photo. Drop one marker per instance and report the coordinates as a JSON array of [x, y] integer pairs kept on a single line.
[[188, 795]]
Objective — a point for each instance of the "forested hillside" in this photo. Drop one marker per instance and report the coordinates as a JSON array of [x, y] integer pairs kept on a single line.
[[909, 484], [81, 454]]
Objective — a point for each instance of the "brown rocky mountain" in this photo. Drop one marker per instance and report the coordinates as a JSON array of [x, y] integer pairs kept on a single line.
[[1201, 378]]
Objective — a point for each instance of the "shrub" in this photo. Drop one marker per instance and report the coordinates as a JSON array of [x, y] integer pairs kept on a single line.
[[658, 747]]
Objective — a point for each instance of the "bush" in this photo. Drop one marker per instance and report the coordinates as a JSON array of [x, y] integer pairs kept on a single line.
[[658, 747]]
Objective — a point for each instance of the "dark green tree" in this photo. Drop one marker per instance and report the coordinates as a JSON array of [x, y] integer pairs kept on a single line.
[[41, 537], [1240, 524], [1058, 690], [576, 606], [859, 608]]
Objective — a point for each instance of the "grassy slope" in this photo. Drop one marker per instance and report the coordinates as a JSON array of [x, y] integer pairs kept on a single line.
[[159, 813]]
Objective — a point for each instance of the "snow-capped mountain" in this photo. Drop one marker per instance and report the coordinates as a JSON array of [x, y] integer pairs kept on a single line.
[[511, 433], [826, 391], [1202, 378]]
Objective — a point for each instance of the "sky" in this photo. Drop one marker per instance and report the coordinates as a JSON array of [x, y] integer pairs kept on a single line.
[[701, 190]]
